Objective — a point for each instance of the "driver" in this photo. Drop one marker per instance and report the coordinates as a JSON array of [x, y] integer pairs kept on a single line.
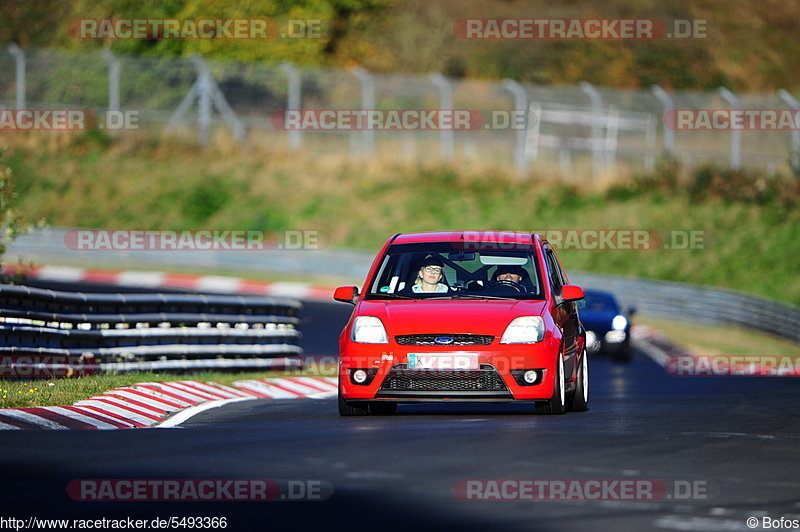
[[510, 275]]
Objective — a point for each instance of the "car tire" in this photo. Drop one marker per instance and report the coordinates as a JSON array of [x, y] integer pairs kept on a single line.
[[381, 408], [579, 399], [349, 408], [557, 404]]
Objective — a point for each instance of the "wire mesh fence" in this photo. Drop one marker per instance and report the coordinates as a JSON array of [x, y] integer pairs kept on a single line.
[[564, 130]]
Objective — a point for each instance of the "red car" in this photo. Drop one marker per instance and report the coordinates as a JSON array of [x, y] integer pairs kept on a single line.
[[468, 316]]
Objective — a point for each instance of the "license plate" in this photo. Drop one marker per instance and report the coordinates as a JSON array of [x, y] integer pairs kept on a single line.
[[443, 361]]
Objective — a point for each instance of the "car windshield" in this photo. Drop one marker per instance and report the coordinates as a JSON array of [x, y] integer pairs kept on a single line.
[[599, 302], [457, 270]]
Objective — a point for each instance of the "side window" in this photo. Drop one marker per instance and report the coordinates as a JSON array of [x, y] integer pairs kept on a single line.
[[561, 275], [553, 272]]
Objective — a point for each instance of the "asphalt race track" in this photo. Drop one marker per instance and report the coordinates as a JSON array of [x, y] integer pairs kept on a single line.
[[737, 438]]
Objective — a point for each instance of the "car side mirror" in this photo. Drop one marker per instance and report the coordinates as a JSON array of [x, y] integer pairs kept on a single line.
[[570, 292], [346, 294]]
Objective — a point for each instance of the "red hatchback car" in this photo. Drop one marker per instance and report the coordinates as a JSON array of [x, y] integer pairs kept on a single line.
[[463, 317]]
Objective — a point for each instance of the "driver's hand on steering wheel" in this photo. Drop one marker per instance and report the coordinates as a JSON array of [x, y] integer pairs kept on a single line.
[[511, 284], [511, 280]]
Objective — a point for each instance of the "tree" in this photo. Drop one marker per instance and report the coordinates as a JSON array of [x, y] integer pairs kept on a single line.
[[12, 222]]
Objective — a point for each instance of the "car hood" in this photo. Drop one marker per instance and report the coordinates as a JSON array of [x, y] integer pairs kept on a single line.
[[482, 316]]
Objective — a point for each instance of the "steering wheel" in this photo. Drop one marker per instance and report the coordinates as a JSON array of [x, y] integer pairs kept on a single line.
[[511, 284]]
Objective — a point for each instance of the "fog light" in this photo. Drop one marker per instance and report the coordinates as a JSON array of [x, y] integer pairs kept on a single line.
[[591, 338], [531, 376], [360, 376]]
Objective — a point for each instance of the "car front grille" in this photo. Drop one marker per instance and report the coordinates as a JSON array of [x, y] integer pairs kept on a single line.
[[430, 339], [401, 379]]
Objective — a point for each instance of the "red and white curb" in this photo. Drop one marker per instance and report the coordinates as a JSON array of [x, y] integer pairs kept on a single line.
[[200, 283], [165, 404], [661, 349]]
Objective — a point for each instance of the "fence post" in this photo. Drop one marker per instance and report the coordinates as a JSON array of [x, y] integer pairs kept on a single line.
[[668, 104], [205, 88], [113, 79], [532, 128], [794, 154], [445, 102], [294, 136], [612, 137], [649, 142], [367, 84], [736, 134], [597, 131], [520, 106], [19, 58]]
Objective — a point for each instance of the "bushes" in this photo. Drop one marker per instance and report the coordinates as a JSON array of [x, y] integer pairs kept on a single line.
[[709, 182]]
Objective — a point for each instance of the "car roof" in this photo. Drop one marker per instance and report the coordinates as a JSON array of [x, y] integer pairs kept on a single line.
[[508, 237]]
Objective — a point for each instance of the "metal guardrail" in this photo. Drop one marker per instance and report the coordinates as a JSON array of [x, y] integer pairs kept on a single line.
[[48, 333], [700, 304]]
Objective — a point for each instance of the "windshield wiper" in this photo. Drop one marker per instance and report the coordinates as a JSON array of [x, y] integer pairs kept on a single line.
[[392, 296], [478, 296]]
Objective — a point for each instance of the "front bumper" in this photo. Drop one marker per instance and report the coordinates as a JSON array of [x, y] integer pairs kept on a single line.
[[492, 381]]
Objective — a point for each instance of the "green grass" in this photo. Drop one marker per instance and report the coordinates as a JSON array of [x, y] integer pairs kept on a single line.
[[750, 223], [727, 341], [63, 391]]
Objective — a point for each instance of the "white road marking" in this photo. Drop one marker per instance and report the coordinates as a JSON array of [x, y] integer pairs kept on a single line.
[[183, 415]]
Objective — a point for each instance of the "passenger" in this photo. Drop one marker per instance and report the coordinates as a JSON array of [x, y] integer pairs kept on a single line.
[[429, 276]]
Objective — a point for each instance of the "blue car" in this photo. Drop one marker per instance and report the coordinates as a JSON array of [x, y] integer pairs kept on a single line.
[[607, 326]]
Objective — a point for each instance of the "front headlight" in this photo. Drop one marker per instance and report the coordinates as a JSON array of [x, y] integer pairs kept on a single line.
[[619, 323], [369, 330], [524, 330]]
